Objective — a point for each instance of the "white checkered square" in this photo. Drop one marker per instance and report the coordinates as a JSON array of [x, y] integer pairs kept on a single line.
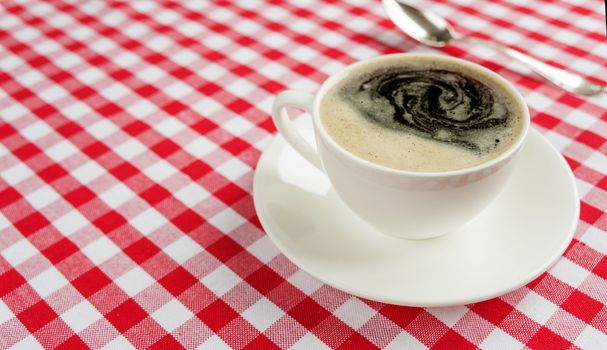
[[273, 70], [449, 315], [28, 343], [19, 252], [26, 34], [183, 249], [583, 187], [48, 282], [595, 238], [247, 26], [274, 40], [117, 195], [212, 72], [13, 111], [81, 33], [580, 119], [354, 313], [88, 172], [227, 220], [221, 14], [216, 42], [275, 13], [102, 129], [5, 312], [119, 342], [245, 55], [151, 74], [68, 61], [148, 221], [32, 77], [214, 343], [70, 222], [166, 17], [126, 59], [200, 147], [16, 174], [530, 22], [81, 316], [241, 87], [134, 281], [557, 140], [185, 57], [100, 250], [4, 223], [52, 93], [113, 18], [309, 342], [499, 339], [189, 29], [60, 20], [36, 130], [178, 90], [91, 75], [135, 30], [303, 54], [192, 194], [597, 161], [130, 149], [237, 126], [160, 170], [405, 341], [262, 314], [76, 110], [305, 282], [172, 315], [233, 169], [263, 249], [537, 307], [569, 272], [141, 109], [538, 101], [42, 197], [221, 280], [169, 127], [61, 150], [591, 339]]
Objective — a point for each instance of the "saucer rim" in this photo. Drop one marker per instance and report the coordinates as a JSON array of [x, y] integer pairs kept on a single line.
[[404, 302]]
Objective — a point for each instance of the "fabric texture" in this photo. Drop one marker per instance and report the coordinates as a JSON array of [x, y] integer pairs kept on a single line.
[[129, 134]]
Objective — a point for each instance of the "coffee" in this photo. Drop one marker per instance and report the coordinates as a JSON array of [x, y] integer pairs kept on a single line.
[[425, 115]]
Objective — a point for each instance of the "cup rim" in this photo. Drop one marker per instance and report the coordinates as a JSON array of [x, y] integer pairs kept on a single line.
[[335, 78]]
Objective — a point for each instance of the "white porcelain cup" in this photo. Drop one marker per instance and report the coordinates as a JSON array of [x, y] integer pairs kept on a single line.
[[405, 204]]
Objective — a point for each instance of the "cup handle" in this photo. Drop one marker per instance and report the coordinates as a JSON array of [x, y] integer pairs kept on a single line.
[[286, 128]]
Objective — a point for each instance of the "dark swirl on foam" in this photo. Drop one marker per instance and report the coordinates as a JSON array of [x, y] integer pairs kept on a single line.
[[436, 104]]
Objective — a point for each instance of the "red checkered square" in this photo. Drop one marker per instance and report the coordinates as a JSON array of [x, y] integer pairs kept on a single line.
[[37, 316], [582, 306], [126, 315], [546, 339], [217, 315], [91, 282], [177, 281]]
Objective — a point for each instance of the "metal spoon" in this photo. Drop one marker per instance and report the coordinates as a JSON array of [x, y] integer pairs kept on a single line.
[[432, 30]]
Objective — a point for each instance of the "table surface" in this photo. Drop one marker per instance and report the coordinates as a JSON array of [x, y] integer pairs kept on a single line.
[[129, 135]]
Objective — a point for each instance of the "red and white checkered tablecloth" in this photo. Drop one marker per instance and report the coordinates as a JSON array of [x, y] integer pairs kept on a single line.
[[129, 134]]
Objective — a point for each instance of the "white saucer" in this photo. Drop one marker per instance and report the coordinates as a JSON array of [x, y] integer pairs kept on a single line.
[[513, 241]]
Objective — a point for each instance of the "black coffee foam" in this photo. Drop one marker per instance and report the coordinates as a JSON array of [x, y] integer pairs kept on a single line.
[[437, 104]]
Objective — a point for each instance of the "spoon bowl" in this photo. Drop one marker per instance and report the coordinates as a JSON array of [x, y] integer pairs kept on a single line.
[[423, 26]]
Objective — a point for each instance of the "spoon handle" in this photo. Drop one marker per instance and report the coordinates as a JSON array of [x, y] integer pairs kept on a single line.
[[568, 81]]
